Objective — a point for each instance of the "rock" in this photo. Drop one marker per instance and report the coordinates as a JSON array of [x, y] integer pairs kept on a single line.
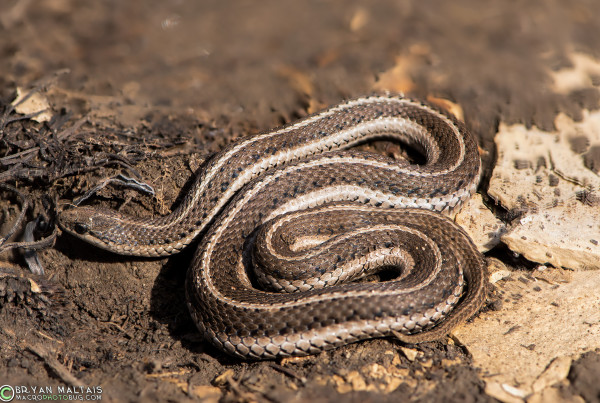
[[481, 224], [546, 180]]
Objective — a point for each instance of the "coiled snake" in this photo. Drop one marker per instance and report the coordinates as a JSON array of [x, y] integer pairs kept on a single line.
[[293, 210]]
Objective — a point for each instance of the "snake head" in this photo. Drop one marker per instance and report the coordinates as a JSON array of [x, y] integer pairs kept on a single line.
[[116, 232], [93, 225]]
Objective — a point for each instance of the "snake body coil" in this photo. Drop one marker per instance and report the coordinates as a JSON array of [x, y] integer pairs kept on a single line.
[[292, 210]]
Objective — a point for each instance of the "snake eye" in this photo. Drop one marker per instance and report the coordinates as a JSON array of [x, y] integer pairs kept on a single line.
[[81, 228]]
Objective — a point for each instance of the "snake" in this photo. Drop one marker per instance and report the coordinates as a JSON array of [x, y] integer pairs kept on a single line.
[[306, 243]]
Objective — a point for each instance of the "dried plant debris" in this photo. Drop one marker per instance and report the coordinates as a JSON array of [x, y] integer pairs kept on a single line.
[[33, 293], [36, 105], [42, 152]]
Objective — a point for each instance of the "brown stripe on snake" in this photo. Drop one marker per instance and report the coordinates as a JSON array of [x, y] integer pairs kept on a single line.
[[293, 210]]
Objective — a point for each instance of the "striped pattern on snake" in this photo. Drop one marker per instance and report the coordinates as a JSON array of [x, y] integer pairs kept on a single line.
[[291, 217]]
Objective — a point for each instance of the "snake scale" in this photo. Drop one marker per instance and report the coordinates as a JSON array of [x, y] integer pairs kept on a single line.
[[289, 219]]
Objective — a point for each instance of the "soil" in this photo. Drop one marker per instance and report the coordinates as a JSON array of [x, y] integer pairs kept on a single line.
[[161, 86]]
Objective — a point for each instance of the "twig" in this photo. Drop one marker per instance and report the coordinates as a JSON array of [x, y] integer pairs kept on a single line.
[[120, 179], [24, 207], [35, 245], [56, 366], [288, 372]]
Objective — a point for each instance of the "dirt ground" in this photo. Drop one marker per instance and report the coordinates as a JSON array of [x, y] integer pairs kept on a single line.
[[150, 89]]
